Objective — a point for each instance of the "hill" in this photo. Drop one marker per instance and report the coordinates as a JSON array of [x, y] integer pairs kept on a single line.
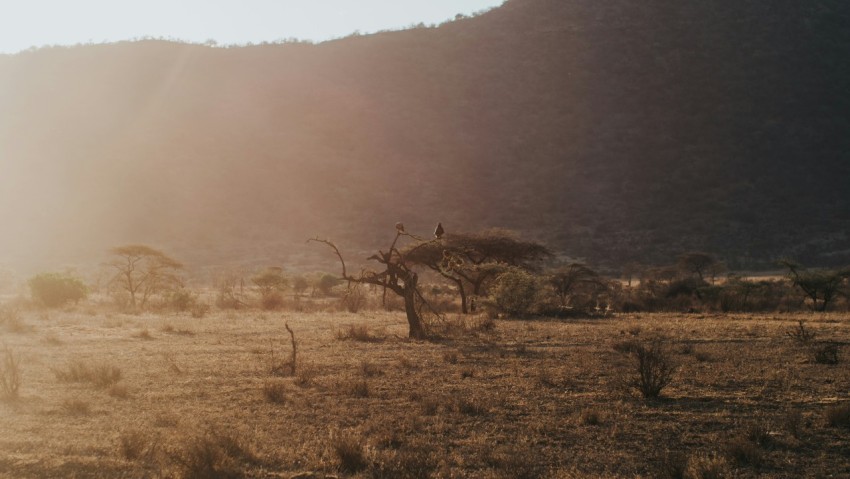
[[613, 132]]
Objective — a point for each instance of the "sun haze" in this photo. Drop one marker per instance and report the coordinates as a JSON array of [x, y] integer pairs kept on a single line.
[[36, 23]]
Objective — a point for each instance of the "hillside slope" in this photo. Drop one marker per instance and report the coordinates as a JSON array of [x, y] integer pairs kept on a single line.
[[617, 131]]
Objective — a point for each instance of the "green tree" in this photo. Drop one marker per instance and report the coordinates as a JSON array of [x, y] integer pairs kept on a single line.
[[56, 289], [142, 272], [515, 291]]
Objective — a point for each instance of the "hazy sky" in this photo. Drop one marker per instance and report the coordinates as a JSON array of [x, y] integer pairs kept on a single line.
[[26, 23]]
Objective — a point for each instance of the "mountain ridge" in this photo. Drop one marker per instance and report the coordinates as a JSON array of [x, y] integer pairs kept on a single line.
[[612, 132]]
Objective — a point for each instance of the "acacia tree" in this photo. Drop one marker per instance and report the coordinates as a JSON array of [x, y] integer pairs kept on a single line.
[[699, 263], [473, 260], [821, 286], [396, 274], [143, 271]]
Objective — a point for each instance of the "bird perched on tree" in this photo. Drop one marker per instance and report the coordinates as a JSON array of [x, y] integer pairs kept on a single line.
[[399, 227], [439, 231]]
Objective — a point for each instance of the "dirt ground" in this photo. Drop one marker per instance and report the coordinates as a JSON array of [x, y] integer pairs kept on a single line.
[[112, 395]]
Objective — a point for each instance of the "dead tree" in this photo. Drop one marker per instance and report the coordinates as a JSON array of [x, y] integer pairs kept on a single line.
[[396, 275]]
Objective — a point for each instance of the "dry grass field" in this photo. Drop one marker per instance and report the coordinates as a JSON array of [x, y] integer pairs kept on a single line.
[[111, 395]]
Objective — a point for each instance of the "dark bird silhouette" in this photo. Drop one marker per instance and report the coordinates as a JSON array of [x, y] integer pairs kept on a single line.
[[399, 227], [438, 233]]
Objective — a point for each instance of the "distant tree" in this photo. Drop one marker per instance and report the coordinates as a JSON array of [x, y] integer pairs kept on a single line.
[[470, 261], [56, 289], [326, 282], [270, 283], [631, 270], [300, 285], [396, 274], [697, 263], [566, 280], [143, 271], [821, 286]]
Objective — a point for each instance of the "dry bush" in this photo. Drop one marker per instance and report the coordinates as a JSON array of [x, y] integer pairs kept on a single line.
[[118, 391], [354, 299], [357, 332], [350, 452], [800, 333], [839, 415], [792, 422], [144, 334], [406, 463], [826, 353], [275, 392], [705, 466], [516, 461], [450, 357], [213, 455], [99, 375], [10, 374], [136, 445], [653, 366], [590, 417], [10, 319], [370, 369], [743, 451], [305, 375], [76, 407], [358, 388]]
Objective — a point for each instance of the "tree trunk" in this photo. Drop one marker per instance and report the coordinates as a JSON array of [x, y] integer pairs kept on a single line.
[[414, 322], [462, 292]]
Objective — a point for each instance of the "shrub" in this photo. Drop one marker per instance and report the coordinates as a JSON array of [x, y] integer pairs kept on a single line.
[[357, 332], [515, 292], [99, 375], [135, 445], [10, 374], [350, 452], [275, 392], [654, 366], [839, 415], [56, 289], [213, 455], [826, 353], [800, 334]]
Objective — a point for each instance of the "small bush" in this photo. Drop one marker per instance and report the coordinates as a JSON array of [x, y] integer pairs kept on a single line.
[[357, 332], [354, 300], [703, 466], [275, 392], [826, 353], [590, 417], [135, 445], [76, 407], [213, 455], [800, 333], [350, 452], [743, 451], [839, 415], [99, 375], [358, 389], [10, 374], [56, 289], [654, 367]]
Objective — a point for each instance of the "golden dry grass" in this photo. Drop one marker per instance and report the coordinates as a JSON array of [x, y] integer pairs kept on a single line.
[[534, 398]]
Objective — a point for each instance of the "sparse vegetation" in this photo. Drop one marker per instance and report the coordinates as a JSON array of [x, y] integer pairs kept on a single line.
[[100, 375]]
